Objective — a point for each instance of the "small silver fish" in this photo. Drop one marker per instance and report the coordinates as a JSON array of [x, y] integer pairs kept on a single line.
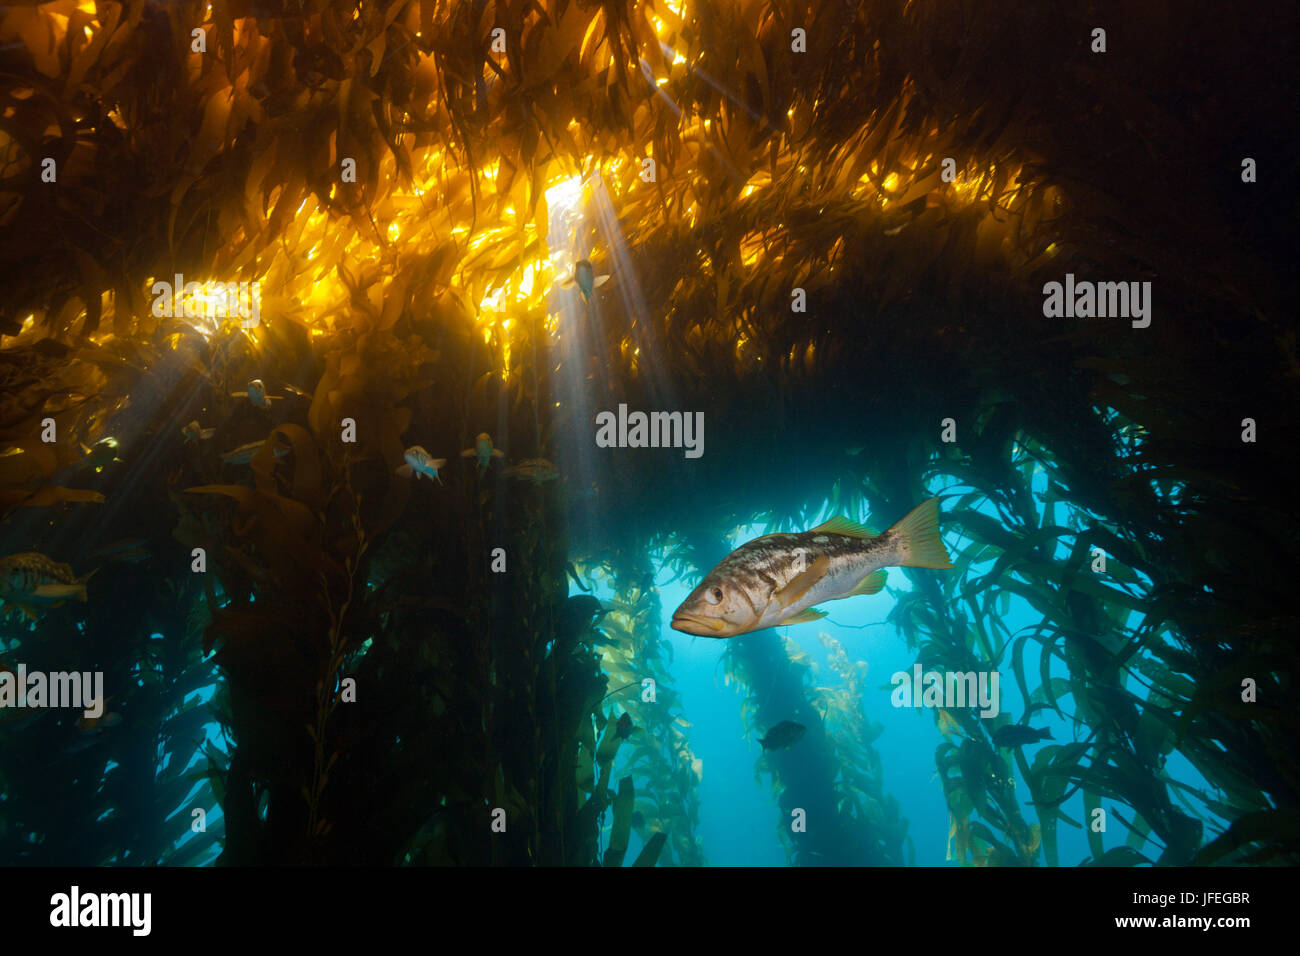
[[256, 395], [124, 549], [585, 278], [420, 462], [776, 579], [244, 453], [193, 432], [482, 452]]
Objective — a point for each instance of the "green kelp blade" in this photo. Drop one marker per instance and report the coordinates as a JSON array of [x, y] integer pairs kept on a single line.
[[622, 828], [1119, 856], [609, 744], [1279, 829], [649, 854]]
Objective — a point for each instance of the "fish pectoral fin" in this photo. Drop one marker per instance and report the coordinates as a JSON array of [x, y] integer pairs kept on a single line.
[[844, 526], [599, 281], [801, 582], [804, 617], [468, 453], [873, 583], [54, 591], [567, 283], [405, 470]]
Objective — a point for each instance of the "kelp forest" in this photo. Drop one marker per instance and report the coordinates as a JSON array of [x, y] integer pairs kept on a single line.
[[309, 313]]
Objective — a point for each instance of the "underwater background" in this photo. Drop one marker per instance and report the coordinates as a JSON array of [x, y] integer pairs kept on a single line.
[[366, 586]]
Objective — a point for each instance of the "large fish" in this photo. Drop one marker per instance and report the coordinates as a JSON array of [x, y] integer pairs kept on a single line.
[[776, 579], [31, 578]]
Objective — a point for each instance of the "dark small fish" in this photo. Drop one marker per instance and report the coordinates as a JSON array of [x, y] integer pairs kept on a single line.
[[1018, 735], [536, 470], [625, 727], [785, 734], [638, 820], [103, 452], [124, 549]]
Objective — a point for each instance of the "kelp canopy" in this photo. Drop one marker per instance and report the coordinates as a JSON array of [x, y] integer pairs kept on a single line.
[[764, 185]]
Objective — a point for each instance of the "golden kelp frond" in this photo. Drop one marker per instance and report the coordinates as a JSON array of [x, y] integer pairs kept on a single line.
[[327, 155]]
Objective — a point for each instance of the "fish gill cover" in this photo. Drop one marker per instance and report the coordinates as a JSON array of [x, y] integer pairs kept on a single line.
[[294, 258]]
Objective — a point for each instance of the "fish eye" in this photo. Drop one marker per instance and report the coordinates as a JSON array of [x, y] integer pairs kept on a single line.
[[713, 595]]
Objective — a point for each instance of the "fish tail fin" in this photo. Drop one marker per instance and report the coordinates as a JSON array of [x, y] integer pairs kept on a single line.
[[922, 547]]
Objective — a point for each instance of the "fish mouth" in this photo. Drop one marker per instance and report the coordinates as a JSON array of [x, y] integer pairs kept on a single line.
[[699, 626]]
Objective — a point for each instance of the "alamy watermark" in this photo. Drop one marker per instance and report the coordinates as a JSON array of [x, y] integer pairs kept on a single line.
[[1101, 300], [208, 300], [949, 690], [78, 690], [653, 430]]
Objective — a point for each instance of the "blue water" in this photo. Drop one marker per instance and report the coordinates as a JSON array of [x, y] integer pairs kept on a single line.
[[739, 820], [739, 815]]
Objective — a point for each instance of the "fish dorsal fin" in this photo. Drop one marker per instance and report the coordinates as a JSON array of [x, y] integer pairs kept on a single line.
[[804, 617], [841, 525], [801, 582]]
